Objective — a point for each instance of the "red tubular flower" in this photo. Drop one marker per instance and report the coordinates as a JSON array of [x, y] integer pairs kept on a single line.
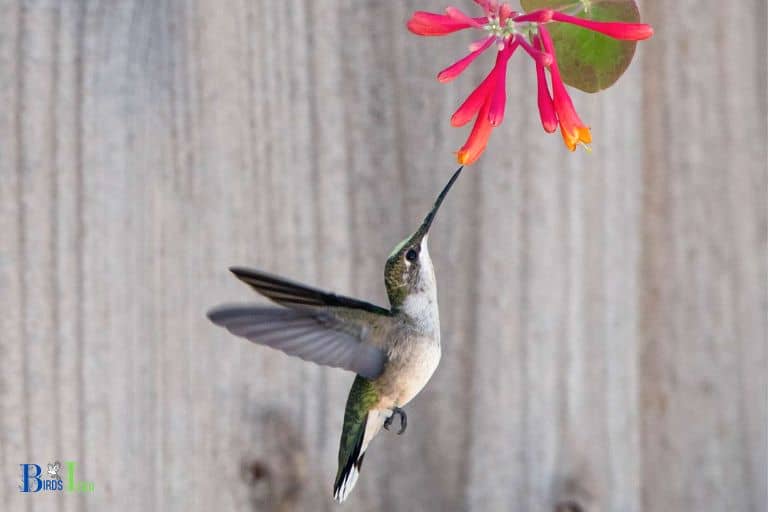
[[505, 12], [478, 137], [499, 95], [616, 30], [487, 101], [460, 65], [541, 58], [460, 17], [505, 27], [546, 106], [474, 101], [538, 16], [431, 24], [573, 130]]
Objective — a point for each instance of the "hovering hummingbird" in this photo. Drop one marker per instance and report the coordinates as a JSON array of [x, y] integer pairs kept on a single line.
[[394, 352]]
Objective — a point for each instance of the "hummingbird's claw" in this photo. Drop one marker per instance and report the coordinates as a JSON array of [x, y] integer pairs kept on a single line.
[[403, 420]]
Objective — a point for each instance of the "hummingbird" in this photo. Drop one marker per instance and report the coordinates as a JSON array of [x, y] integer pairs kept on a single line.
[[394, 351]]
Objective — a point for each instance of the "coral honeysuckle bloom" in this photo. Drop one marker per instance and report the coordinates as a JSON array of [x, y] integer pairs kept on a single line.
[[574, 131], [506, 31], [487, 103]]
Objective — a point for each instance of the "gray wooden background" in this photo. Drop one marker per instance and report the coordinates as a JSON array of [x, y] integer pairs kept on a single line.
[[604, 315]]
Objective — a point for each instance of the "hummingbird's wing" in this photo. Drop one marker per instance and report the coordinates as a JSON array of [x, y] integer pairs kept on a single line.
[[311, 335], [319, 326], [297, 295]]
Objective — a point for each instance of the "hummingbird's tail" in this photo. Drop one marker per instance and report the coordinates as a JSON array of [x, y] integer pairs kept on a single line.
[[361, 424]]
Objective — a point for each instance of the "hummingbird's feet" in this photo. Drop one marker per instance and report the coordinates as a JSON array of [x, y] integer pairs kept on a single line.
[[396, 411]]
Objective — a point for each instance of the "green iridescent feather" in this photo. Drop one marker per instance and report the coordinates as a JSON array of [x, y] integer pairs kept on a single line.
[[362, 397]]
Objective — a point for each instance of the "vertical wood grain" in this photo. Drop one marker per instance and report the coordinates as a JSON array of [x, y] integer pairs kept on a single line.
[[704, 239], [603, 315]]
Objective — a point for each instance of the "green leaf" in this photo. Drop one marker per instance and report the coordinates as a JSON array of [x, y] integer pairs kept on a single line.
[[588, 60]]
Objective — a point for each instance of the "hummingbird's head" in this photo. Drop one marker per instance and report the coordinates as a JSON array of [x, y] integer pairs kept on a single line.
[[409, 271]]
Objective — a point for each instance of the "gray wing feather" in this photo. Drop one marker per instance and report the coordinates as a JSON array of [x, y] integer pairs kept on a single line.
[[316, 337], [300, 296]]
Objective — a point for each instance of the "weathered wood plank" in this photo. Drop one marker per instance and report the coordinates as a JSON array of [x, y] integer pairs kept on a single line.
[[704, 275]]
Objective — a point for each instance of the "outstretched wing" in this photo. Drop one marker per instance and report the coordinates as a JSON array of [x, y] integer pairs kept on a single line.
[[312, 336], [297, 295], [321, 327]]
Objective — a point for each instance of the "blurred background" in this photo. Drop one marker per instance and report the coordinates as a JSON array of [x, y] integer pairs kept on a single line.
[[603, 315]]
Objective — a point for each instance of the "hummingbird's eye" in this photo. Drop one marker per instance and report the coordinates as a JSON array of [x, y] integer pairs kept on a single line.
[[411, 255]]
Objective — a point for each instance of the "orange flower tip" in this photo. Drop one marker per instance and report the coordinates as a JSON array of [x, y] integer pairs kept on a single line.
[[579, 137], [569, 139], [464, 158], [468, 156], [585, 135]]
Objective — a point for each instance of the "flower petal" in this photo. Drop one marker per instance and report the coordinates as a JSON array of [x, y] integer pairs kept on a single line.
[[478, 138], [573, 139], [574, 131], [616, 30], [431, 24], [545, 103], [460, 65], [505, 12], [541, 58], [546, 106], [475, 45], [499, 94], [537, 16], [458, 16], [474, 101], [489, 6]]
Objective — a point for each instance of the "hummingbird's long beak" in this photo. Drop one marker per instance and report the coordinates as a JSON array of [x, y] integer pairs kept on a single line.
[[424, 229]]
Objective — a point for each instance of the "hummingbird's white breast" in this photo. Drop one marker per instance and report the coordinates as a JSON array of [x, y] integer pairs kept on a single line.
[[411, 364], [413, 348]]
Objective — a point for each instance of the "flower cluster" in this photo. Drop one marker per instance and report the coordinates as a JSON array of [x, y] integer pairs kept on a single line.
[[506, 31]]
